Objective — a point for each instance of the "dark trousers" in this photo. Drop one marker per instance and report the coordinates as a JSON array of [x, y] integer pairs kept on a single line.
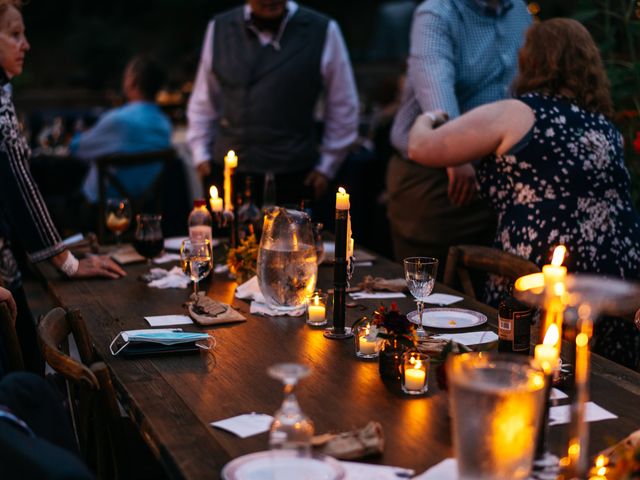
[[26, 330]]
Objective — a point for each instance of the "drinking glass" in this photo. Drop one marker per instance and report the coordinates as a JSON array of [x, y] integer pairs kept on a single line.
[[196, 260], [148, 239], [291, 429], [420, 273], [118, 216], [496, 403]]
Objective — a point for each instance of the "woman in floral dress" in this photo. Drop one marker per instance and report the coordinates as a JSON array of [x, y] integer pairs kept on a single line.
[[552, 166]]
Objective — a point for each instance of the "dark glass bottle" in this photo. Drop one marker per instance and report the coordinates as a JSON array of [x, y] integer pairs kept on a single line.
[[514, 325], [249, 215]]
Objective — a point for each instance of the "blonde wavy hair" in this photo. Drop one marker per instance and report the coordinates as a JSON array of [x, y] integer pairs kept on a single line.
[[560, 57]]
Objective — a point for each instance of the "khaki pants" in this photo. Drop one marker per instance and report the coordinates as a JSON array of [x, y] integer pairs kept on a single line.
[[423, 220]]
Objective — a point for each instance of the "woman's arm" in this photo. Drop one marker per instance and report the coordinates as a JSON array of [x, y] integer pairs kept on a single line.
[[491, 128]]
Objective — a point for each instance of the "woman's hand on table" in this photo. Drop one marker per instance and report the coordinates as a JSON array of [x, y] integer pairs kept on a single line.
[[98, 266]]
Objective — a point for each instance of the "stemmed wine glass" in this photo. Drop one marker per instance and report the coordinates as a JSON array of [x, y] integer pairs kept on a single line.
[[196, 259], [420, 273], [291, 429], [148, 239], [118, 216]]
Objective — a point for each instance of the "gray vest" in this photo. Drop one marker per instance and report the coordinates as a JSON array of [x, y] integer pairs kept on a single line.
[[267, 95]]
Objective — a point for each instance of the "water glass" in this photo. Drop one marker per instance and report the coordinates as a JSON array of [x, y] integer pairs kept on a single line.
[[196, 259], [415, 373], [420, 273], [496, 403]]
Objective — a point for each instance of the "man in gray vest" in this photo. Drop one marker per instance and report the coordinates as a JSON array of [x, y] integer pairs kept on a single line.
[[262, 69]]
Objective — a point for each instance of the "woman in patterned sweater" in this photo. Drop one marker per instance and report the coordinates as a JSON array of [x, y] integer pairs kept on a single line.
[[553, 165], [24, 217]]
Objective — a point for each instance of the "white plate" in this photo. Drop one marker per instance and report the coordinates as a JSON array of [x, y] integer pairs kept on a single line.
[[282, 465], [470, 338], [448, 318]]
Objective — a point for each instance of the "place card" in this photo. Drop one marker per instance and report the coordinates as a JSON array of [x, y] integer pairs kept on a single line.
[[442, 299], [558, 394], [562, 414], [167, 320], [358, 471], [445, 470], [378, 295], [245, 425]]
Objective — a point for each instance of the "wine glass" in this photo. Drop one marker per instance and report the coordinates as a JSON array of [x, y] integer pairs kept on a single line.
[[196, 260], [148, 239], [319, 244], [291, 429], [118, 216], [420, 273]]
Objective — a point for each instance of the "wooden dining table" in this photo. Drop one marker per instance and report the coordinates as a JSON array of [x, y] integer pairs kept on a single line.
[[173, 398]]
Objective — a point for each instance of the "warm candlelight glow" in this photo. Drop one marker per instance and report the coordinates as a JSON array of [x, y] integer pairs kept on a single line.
[[601, 461], [552, 336], [582, 339], [316, 310], [342, 199], [231, 159], [230, 162], [215, 201], [213, 191], [530, 282], [558, 255]]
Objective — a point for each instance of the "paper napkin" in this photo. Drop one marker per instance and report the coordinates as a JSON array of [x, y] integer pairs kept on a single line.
[[442, 299], [250, 290], [558, 394], [259, 308], [167, 320], [379, 295], [359, 471], [245, 425], [445, 470], [173, 278], [166, 258], [470, 338], [561, 414]]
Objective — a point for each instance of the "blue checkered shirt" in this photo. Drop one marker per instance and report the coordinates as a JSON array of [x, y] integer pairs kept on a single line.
[[463, 54]]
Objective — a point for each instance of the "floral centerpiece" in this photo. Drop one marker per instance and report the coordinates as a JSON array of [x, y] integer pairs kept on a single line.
[[242, 260], [619, 462]]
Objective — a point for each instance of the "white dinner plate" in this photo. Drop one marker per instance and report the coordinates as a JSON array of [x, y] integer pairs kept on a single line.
[[448, 318], [282, 465]]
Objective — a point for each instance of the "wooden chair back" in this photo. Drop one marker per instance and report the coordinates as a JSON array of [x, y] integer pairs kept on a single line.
[[9, 340], [149, 200], [463, 259], [90, 394]]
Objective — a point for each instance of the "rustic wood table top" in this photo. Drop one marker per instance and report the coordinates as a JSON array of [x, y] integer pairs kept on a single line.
[[173, 398]]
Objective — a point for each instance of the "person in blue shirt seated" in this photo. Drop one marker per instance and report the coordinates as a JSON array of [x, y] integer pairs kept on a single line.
[[137, 126]]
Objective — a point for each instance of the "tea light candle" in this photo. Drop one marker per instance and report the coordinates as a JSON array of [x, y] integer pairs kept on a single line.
[[414, 378], [367, 346], [316, 311], [342, 199], [215, 201]]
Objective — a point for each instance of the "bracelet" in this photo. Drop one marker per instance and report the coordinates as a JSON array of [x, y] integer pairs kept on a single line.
[[432, 117], [70, 265]]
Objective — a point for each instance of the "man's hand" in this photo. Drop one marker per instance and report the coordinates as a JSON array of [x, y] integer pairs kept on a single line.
[[5, 296], [318, 182], [462, 184], [204, 169], [99, 266]]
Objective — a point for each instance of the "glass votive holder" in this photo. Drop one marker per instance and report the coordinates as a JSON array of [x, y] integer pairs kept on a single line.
[[415, 373], [367, 343], [317, 309]]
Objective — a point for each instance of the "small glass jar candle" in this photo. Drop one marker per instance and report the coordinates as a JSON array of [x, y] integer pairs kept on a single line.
[[367, 343], [415, 373], [317, 309]]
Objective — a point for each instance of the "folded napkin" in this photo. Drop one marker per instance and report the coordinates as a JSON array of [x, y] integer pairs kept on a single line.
[[371, 284], [442, 299], [245, 425], [470, 338], [360, 471], [250, 290], [173, 278], [166, 258], [360, 443], [378, 295], [445, 470], [562, 414]]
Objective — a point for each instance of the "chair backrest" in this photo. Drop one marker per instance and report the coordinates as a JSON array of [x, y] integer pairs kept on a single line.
[[91, 397], [14, 361], [148, 200], [463, 258]]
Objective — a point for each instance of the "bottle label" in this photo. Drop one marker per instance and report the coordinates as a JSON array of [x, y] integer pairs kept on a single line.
[[200, 231], [505, 328]]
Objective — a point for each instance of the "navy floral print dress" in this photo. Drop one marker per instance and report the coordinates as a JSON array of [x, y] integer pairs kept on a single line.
[[566, 183]]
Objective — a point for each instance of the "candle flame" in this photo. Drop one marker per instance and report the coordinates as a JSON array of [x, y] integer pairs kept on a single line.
[[601, 461], [528, 282], [316, 300], [558, 255], [552, 336], [342, 190], [418, 365], [582, 339], [213, 191]]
